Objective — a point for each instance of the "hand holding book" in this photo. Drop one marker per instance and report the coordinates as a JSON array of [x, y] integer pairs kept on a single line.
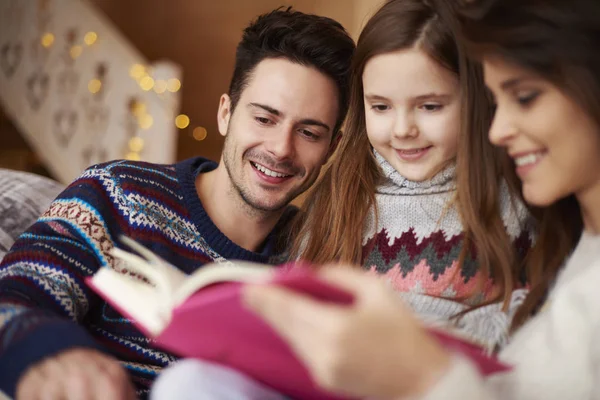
[[373, 348]]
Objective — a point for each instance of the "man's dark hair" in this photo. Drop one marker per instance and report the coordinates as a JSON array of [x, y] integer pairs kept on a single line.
[[306, 39]]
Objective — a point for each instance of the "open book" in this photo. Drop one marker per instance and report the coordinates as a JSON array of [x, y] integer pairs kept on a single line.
[[202, 315]]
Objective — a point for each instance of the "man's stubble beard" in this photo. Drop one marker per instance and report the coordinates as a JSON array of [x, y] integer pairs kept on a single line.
[[239, 190]]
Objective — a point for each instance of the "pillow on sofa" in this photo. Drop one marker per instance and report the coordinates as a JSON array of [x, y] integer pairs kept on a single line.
[[23, 198]]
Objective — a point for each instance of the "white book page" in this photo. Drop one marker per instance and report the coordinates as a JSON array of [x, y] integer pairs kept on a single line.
[[174, 286], [238, 271], [165, 276]]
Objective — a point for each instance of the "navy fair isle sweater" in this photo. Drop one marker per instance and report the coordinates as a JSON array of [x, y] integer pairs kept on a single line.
[[45, 306]]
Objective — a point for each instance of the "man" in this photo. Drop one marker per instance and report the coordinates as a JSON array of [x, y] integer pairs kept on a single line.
[[285, 105]]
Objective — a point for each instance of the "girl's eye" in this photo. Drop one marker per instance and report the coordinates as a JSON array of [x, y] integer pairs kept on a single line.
[[379, 107], [432, 107]]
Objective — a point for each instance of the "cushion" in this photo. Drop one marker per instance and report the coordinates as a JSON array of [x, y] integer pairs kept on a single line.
[[23, 198]]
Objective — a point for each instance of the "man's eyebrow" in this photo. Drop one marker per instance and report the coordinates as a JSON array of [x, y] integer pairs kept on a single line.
[[274, 111], [314, 122], [267, 108]]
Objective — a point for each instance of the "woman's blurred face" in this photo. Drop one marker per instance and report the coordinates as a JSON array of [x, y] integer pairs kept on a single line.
[[553, 141]]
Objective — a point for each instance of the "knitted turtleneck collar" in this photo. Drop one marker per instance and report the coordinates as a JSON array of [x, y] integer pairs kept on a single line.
[[394, 183]]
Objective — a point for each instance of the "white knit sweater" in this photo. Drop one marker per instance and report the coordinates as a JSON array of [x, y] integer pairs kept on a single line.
[[556, 355], [416, 245]]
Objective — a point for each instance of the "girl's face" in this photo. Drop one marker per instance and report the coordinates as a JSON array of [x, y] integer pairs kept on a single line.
[[554, 142], [412, 110]]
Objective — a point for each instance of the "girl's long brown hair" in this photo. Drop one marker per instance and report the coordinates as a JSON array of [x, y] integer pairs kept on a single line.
[[558, 41], [330, 226]]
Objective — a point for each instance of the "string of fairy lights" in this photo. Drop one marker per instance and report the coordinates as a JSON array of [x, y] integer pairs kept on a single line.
[[143, 76]]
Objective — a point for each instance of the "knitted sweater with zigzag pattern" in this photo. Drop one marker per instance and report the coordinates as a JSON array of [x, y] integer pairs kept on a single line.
[[419, 237], [45, 306]]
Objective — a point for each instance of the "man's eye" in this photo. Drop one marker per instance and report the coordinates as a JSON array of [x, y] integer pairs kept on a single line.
[[263, 120]]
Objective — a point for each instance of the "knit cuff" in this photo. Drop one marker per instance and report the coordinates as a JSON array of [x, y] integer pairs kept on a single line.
[[44, 341]]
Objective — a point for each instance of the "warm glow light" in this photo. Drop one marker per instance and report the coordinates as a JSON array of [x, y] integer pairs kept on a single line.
[[133, 156], [147, 83], [182, 121], [90, 38], [146, 121], [136, 144], [139, 109], [137, 71], [200, 133], [173, 85], [75, 51], [47, 40], [160, 86], [94, 86]]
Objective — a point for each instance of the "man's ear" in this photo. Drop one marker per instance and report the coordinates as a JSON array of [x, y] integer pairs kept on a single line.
[[334, 145], [224, 114]]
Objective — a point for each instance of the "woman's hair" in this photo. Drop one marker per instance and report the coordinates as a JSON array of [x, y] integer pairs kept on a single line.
[[557, 40], [331, 224]]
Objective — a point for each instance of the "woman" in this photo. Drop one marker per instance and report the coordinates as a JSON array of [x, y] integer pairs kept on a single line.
[[541, 64]]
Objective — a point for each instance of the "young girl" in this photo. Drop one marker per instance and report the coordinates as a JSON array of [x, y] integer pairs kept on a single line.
[[541, 64], [406, 195]]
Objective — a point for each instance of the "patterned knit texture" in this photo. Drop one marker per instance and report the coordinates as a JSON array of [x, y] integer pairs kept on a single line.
[[45, 306], [419, 237]]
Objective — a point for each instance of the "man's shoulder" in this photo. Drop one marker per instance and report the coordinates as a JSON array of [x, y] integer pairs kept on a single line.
[[128, 169], [115, 181], [143, 169]]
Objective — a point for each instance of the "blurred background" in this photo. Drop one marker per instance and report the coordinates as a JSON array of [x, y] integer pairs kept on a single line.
[[87, 81]]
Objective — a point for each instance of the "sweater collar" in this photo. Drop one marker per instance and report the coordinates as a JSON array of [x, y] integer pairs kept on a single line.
[[394, 183], [187, 171]]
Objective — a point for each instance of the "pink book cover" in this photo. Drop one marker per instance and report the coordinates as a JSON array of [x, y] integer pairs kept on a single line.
[[214, 325]]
